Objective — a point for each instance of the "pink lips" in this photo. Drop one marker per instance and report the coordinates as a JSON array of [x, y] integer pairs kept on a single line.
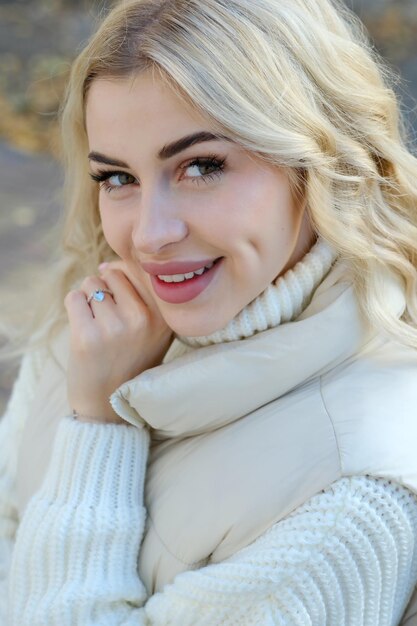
[[177, 293]]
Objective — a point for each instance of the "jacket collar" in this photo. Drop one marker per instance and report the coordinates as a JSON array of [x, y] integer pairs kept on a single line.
[[197, 390]]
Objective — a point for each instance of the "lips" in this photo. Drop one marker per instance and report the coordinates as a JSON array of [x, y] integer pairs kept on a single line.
[[176, 267], [186, 290]]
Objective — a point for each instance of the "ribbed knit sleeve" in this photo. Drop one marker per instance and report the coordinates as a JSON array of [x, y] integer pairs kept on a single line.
[[347, 557], [11, 427], [76, 548]]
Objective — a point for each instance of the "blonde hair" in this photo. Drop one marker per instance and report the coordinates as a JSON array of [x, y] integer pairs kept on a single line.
[[295, 81]]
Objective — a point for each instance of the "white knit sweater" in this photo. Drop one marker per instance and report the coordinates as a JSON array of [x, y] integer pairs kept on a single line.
[[347, 557]]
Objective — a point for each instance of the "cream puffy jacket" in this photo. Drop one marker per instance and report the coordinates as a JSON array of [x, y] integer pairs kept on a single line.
[[244, 433]]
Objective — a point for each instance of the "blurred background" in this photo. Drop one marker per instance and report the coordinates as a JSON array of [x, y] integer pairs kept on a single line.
[[38, 40]]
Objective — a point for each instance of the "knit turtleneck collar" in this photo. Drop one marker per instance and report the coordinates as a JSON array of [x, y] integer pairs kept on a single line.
[[282, 301], [196, 390]]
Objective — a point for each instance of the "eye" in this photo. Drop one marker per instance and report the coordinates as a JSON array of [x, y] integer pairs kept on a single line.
[[204, 168], [113, 181], [200, 169]]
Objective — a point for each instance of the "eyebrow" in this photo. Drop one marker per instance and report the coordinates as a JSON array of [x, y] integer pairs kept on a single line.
[[167, 151]]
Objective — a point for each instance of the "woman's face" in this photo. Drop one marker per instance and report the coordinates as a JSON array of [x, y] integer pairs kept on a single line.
[[171, 205]]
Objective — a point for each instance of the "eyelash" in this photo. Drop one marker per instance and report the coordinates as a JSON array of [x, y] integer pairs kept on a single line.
[[103, 176]]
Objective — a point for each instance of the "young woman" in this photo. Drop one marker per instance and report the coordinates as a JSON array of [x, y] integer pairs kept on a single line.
[[215, 423]]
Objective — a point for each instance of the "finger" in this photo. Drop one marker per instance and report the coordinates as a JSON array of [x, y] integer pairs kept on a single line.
[[125, 293], [79, 313], [98, 294], [139, 283], [86, 336]]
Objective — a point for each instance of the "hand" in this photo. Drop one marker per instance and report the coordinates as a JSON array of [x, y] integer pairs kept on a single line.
[[111, 341]]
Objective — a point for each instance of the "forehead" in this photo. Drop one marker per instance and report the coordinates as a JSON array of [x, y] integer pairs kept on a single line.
[[143, 102]]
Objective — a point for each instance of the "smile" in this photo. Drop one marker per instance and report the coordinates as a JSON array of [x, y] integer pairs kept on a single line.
[[179, 278], [179, 288]]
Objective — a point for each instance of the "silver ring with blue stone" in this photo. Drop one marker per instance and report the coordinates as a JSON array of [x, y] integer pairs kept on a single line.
[[98, 295]]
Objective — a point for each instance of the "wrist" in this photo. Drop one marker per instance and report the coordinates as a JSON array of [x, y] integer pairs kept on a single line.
[[97, 417]]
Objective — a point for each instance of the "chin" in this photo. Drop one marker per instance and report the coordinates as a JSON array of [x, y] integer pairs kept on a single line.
[[194, 327]]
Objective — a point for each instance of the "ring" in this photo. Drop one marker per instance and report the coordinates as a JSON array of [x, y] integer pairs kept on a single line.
[[98, 295]]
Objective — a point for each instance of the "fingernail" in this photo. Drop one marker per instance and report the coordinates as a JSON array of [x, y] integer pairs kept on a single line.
[[102, 266]]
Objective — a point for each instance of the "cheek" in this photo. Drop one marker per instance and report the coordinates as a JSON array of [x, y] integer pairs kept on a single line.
[[116, 229], [278, 209], [260, 211]]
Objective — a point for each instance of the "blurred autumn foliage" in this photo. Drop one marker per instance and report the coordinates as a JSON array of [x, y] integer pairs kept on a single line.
[[394, 29], [39, 39]]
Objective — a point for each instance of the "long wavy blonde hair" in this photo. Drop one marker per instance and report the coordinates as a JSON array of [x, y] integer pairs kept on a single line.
[[295, 81]]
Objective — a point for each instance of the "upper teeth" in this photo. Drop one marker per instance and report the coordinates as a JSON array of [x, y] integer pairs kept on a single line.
[[178, 278]]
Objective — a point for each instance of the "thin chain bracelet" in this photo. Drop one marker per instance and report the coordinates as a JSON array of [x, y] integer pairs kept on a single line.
[[91, 418]]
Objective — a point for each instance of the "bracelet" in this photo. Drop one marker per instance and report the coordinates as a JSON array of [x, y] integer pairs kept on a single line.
[[90, 418]]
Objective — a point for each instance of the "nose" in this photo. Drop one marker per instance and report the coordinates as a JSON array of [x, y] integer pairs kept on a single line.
[[158, 223]]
